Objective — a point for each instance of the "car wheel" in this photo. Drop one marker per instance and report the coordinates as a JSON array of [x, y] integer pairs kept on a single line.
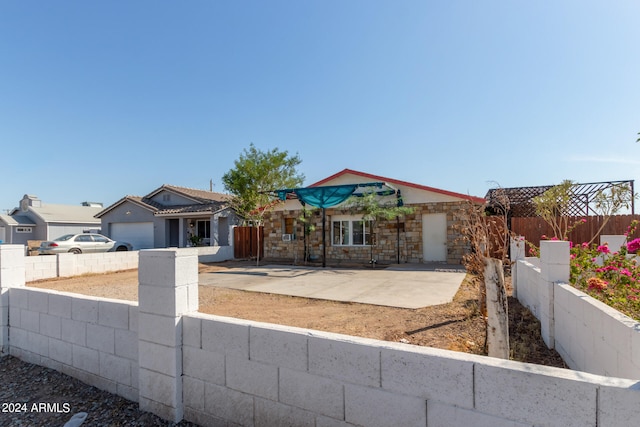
[[121, 249], [75, 251]]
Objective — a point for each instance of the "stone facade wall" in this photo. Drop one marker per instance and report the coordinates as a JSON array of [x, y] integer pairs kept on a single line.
[[386, 236]]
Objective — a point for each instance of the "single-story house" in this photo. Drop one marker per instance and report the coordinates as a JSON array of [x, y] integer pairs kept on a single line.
[[34, 220], [428, 234], [170, 216]]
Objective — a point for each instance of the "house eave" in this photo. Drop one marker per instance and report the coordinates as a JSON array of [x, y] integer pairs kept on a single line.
[[183, 214], [473, 199], [129, 199]]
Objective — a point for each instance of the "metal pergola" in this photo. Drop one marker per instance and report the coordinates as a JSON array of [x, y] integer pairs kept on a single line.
[[520, 199]]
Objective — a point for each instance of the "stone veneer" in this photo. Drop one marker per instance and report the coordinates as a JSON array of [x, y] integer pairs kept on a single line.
[[385, 252]]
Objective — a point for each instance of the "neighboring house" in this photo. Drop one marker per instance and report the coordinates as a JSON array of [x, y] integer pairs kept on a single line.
[[34, 220], [429, 234], [170, 216]]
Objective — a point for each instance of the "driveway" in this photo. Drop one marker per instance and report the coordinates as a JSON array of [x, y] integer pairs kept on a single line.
[[405, 285]]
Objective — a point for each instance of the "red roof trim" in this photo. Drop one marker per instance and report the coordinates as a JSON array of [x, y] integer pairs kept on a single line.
[[399, 182]]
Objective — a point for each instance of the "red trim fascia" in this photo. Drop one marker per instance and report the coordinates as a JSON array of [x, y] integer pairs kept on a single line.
[[399, 182]]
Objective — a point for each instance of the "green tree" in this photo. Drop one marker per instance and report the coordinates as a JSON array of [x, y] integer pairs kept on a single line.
[[255, 175], [306, 219], [554, 205], [375, 208]]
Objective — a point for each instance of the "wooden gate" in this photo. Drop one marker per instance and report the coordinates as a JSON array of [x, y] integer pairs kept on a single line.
[[245, 240]]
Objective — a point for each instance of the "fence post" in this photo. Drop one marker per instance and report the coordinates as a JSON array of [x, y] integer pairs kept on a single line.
[[517, 251], [167, 289], [12, 275], [554, 268]]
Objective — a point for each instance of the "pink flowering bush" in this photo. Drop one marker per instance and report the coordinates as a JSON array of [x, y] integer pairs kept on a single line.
[[611, 277], [633, 246]]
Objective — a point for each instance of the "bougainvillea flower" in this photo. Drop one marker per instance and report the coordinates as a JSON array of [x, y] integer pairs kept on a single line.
[[633, 246], [626, 272]]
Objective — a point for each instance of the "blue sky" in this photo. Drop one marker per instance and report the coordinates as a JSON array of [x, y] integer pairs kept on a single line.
[[102, 99]]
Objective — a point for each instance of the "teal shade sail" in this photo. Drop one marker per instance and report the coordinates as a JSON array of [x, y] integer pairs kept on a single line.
[[325, 197], [330, 195]]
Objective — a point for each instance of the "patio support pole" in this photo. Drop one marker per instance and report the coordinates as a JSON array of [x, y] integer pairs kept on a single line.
[[324, 238], [398, 237], [304, 232]]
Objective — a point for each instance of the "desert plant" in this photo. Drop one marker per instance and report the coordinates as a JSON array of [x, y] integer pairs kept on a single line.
[[553, 206], [488, 237], [375, 208]]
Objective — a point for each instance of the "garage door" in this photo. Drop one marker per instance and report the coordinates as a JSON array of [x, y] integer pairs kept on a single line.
[[139, 234]]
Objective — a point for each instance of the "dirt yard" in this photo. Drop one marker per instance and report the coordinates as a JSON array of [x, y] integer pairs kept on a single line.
[[454, 326]]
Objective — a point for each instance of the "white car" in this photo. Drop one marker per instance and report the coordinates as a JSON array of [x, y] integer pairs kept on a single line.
[[82, 243]]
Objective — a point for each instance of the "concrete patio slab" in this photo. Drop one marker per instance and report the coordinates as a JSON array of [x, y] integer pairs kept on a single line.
[[405, 285]]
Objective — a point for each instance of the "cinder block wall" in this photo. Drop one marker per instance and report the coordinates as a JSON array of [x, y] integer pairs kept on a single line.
[[40, 267], [589, 335], [250, 373], [214, 253], [92, 339], [101, 262], [222, 371], [524, 274], [593, 337], [67, 265]]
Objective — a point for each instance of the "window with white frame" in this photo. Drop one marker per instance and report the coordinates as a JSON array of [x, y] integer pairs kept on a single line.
[[350, 230]]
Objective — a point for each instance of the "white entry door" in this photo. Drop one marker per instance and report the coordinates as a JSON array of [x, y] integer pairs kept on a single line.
[[434, 237]]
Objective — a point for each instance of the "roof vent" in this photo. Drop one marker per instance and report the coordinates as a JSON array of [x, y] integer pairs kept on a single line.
[[29, 200]]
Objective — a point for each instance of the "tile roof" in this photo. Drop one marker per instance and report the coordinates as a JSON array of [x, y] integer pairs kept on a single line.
[[203, 195], [204, 201], [198, 208]]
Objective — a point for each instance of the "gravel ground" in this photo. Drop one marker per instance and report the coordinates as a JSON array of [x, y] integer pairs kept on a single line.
[[26, 390]]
